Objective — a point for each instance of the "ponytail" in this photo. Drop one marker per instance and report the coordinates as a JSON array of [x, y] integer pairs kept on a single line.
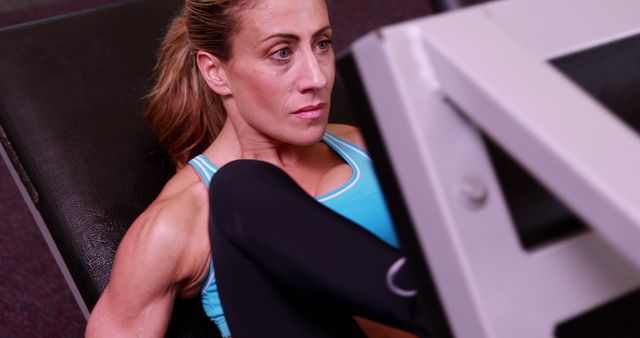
[[184, 112]]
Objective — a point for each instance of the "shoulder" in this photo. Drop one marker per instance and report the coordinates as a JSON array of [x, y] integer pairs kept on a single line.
[[168, 236], [347, 133], [162, 256], [178, 208]]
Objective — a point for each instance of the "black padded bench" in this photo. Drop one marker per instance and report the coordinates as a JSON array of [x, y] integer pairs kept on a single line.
[[71, 124]]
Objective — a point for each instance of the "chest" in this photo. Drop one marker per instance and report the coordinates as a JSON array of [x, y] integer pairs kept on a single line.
[[332, 180], [323, 179]]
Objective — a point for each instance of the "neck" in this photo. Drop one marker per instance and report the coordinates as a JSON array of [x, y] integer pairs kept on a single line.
[[234, 143]]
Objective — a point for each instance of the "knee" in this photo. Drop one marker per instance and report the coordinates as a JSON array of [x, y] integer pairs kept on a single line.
[[238, 180], [239, 190]]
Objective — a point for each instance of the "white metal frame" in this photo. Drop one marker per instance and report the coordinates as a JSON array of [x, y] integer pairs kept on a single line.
[[492, 61]]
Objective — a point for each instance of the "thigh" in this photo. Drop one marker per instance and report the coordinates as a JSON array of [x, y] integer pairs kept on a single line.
[[255, 305], [302, 248]]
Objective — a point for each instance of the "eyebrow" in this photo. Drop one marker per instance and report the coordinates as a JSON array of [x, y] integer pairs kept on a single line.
[[291, 36]]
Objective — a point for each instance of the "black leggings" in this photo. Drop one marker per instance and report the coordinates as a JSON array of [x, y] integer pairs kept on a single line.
[[286, 266]]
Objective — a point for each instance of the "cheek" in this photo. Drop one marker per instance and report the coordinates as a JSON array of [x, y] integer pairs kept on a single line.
[[331, 75], [273, 92], [256, 88], [329, 69], [263, 99]]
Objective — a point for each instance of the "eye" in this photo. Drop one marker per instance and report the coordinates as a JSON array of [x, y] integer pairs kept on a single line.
[[282, 54], [324, 45]]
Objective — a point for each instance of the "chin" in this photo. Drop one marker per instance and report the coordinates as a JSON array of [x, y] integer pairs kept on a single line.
[[310, 135]]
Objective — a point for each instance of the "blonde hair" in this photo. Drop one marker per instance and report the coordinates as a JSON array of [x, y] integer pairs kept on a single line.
[[184, 112]]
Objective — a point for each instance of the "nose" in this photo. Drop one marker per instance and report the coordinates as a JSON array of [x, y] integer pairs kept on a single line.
[[312, 76]]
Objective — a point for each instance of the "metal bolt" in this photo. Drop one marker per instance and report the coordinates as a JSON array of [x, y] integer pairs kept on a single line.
[[474, 192]]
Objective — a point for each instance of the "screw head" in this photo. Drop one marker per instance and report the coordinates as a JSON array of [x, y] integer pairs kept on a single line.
[[474, 192]]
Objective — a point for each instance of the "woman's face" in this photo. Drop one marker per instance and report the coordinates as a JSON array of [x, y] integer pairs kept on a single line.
[[281, 71]]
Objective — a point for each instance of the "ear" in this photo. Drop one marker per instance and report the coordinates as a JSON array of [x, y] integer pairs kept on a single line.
[[213, 72]]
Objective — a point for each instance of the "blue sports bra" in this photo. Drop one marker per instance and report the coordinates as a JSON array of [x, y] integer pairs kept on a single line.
[[359, 199]]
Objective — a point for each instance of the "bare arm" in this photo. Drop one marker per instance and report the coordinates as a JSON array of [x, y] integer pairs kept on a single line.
[[140, 295]]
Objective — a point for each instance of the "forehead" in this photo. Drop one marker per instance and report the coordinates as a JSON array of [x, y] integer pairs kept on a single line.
[[267, 17]]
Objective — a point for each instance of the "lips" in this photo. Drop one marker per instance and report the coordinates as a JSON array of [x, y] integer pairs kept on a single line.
[[311, 112]]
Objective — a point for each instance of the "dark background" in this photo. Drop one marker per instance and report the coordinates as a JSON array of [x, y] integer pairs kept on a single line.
[[34, 298]]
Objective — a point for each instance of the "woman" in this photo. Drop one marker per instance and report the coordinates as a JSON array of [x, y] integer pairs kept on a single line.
[[251, 80]]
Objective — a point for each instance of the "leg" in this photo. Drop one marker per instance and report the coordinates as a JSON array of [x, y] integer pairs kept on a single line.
[[265, 224], [256, 306]]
